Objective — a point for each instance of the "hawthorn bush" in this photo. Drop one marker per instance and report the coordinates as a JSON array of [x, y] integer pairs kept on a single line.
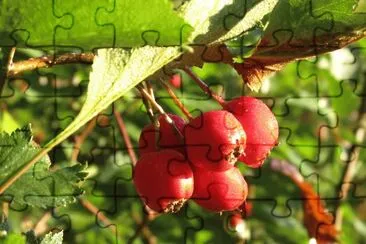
[[102, 111]]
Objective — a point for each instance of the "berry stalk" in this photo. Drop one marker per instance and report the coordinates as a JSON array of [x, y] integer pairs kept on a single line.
[[159, 109], [204, 86], [176, 100]]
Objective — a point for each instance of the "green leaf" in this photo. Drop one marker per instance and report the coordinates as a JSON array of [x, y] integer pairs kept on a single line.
[[13, 238], [305, 28], [7, 122], [39, 186], [244, 46], [51, 238], [93, 24], [116, 71], [226, 20], [256, 11]]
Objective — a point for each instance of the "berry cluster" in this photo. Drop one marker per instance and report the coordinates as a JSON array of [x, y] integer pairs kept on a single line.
[[197, 159]]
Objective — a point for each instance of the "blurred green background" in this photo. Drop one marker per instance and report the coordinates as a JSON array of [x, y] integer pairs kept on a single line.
[[315, 101]]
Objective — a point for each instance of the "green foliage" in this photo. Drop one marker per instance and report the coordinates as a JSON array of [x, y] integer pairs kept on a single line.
[[51, 238], [127, 23], [39, 186], [13, 238], [153, 40]]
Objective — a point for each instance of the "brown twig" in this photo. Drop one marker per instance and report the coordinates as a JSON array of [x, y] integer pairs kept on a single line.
[[49, 61], [5, 209], [126, 137], [7, 64], [149, 110], [204, 86], [159, 109], [100, 216], [150, 89], [143, 228], [176, 100], [41, 226], [79, 140], [351, 159]]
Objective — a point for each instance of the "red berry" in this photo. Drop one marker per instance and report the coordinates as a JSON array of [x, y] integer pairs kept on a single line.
[[176, 80], [260, 125], [246, 209], [236, 225], [235, 220], [164, 180], [168, 137], [219, 190], [214, 140]]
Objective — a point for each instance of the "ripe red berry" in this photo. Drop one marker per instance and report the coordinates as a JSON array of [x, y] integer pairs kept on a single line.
[[219, 190], [214, 140], [260, 125], [167, 136], [164, 180], [236, 225], [176, 80]]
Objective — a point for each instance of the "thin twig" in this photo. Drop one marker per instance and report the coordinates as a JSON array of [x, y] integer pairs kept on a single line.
[[7, 64], [149, 110], [143, 228], [49, 61], [150, 89], [177, 100], [5, 209], [126, 137], [159, 109], [100, 216], [351, 159], [79, 140], [41, 226], [204, 86]]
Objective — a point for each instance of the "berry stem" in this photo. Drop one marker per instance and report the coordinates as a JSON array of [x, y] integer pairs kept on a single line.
[[176, 100], [79, 140], [126, 137], [159, 109], [204, 86], [149, 109], [98, 214]]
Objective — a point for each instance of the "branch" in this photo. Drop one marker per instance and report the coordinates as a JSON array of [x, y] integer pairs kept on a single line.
[[41, 226], [6, 65], [176, 100], [143, 228], [49, 61], [100, 216], [149, 110], [351, 159], [159, 109], [204, 86], [126, 137], [81, 138]]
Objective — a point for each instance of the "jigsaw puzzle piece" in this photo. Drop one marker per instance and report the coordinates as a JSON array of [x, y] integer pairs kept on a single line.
[[83, 19], [24, 30], [118, 20]]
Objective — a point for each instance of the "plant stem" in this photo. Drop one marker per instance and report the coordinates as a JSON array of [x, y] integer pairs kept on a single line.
[[5, 209], [160, 110], [126, 137], [41, 225], [143, 228], [204, 86], [100, 216], [176, 100], [79, 140], [6, 65], [351, 159], [149, 110], [49, 61]]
